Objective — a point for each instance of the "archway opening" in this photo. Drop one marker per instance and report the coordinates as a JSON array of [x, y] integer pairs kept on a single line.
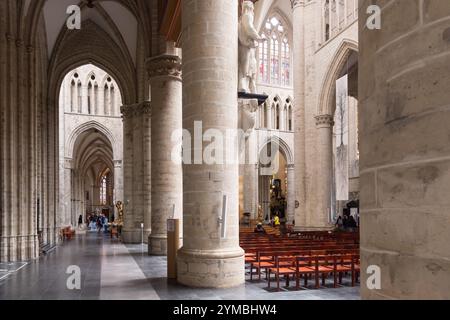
[[345, 142], [90, 144], [274, 182]]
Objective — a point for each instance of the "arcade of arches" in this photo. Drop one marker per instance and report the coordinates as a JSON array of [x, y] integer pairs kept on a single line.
[[88, 117]]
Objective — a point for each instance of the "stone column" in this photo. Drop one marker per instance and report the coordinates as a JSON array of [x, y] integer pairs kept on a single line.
[[167, 175], [250, 190], [210, 47], [248, 153], [320, 218], [404, 118], [290, 193], [137, 174], [118, 180], [67, 199], [298, 13], [128, 222]]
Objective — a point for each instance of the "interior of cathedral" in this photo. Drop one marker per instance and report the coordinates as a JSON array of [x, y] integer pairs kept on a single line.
[[224, 149]]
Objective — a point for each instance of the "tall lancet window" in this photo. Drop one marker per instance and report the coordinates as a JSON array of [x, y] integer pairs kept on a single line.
[[73, 95], [90, 98], [327, 20], [113, 100], [277, 121], [103, 190], [274, 53], [285, 63], [289, 124], [91, 94], [106, 100], [79, 97], [96, 103]]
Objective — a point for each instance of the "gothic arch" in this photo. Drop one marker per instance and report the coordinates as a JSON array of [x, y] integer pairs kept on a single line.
[[65, 59], [88, 126], [138, 8], [269, 10], [326, 105], [283, 147]]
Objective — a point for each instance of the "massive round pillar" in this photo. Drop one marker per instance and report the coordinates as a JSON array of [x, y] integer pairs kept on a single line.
[[298, 13], [321, 220], [404, 117], [210, 258], [167, 175], [136, 172]]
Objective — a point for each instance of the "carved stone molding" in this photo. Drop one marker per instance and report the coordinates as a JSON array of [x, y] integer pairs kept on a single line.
[[296, 3], [324, 120], [163, 66], [136, 110]]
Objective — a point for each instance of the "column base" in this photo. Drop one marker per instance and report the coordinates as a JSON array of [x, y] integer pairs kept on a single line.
[[19, 248], [134, 235], [211, 269], [157, 245]]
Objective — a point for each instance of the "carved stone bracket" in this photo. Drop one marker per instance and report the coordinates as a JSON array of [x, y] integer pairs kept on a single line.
[[247, 113], [164, 66]]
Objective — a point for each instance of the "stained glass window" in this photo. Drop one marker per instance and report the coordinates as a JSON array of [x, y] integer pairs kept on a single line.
[[274, 53]]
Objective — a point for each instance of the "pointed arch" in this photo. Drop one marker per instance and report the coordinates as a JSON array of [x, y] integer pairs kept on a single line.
[[88, 126], [326, 105], [283, 148]]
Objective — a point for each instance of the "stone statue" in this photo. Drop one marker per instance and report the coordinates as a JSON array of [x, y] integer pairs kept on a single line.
[[247, 44], [260, 214], [247, 114], [119, 206]]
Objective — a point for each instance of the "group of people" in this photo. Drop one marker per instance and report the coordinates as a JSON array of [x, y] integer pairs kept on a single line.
[[274, 222], [98, 222], [346, 222]]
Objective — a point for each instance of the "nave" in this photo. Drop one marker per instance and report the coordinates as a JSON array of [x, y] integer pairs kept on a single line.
[[112, 270]]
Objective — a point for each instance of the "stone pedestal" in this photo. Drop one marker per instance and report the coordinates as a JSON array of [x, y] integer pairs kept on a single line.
[[167, 176], [210, 45]]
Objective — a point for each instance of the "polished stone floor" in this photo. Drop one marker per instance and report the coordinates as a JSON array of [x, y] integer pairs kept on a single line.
[[112, 270]]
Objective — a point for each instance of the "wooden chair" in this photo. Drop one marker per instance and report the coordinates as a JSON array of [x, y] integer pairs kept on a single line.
[[114, 232], [68, 233]]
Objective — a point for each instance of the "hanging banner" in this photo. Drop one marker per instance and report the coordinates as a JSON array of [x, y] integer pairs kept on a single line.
[[341, 134]]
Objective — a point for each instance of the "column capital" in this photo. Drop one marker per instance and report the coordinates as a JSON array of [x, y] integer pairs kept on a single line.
[[117, 163], [138, 109], [164, 66], [297, 3], [68, 163], [324, 121]]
